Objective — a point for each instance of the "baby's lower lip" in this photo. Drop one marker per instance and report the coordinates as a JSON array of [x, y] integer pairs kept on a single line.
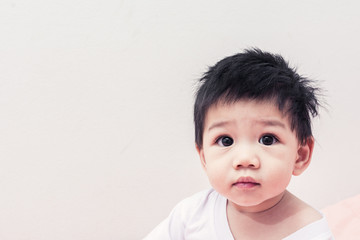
[[246, 185]]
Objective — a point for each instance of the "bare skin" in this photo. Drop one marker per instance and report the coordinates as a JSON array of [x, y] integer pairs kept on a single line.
[[287, 216]]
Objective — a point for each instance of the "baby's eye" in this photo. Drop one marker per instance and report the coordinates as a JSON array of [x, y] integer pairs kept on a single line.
[[225, 141], [268, 140]]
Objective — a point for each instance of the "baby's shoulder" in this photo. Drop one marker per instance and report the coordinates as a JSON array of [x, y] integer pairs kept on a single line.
[[199, 201], [197, 209], [201, 205], [191, 218]]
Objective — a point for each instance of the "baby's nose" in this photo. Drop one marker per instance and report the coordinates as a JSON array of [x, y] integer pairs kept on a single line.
[[246, 158]]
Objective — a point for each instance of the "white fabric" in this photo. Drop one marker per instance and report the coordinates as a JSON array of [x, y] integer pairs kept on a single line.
[[203, 216]]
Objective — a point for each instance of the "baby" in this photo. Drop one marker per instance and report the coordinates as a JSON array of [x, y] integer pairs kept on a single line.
[[252, 118]]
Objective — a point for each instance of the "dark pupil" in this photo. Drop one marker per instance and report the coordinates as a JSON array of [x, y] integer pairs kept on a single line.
[[226, 141], [267, 140]]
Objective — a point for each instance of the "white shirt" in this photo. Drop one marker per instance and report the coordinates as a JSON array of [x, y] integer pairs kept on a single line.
[[203, 217]]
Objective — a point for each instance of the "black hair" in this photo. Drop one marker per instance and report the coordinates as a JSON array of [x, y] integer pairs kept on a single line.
[[258, 75]]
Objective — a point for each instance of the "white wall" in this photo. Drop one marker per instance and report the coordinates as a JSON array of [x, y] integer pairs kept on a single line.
[[96, 134]]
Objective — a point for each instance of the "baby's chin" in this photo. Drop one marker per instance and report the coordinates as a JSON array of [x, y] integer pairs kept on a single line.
[[254, 205]]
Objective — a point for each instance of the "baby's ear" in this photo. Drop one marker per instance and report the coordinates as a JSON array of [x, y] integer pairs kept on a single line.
[[303, 156], [201, 155]]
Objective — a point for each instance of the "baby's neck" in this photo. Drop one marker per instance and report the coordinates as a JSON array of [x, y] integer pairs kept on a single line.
[[278, 221]]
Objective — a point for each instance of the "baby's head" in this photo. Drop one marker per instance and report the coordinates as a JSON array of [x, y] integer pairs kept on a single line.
[[262, 76], [253, 128]]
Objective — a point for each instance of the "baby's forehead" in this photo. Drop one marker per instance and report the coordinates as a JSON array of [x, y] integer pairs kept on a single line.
[[247, 109]]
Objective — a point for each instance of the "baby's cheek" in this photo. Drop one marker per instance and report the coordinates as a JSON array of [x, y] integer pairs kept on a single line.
[[280, 178], [216, 177]]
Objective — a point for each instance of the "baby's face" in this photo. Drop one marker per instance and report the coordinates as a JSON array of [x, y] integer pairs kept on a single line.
[[249, 153]]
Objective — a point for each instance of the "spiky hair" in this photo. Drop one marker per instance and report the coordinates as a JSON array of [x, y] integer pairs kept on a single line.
[[259, 75]]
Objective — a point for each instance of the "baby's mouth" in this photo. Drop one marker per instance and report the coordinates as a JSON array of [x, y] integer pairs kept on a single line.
[[246, 183]]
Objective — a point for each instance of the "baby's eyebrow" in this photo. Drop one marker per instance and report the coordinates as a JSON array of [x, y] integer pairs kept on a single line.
[[275, 123], [218, 124]]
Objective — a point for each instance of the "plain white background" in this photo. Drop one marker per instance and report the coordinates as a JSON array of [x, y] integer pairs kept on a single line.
[[96, 132]]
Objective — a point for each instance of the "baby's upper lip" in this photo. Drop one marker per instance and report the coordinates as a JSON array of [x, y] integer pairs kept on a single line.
[[246, 179]]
